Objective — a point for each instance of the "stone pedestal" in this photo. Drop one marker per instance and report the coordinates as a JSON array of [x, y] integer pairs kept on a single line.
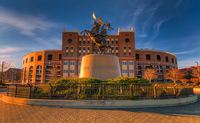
[[100, 66]]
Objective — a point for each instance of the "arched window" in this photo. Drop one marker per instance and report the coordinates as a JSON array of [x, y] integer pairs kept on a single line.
[[166, 59], [38, 73], [158, 57], [24, 74], [30, 74]]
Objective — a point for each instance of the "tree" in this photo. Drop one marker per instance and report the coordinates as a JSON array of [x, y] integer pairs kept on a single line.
[[3, 67], [150, 74], [196, 72], [54, 71], [174, 74]]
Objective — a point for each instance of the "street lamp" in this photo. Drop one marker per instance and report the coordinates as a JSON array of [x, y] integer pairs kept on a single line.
[[198, 70], [197, 63]]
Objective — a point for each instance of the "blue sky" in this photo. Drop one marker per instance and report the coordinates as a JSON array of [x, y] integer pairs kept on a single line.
[[169, 25]]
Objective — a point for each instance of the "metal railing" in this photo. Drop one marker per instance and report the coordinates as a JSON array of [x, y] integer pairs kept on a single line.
[[103, 91]]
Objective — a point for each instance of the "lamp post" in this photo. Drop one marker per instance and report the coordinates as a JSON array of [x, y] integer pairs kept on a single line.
[[197, 63], [2, 72], [198, 69]]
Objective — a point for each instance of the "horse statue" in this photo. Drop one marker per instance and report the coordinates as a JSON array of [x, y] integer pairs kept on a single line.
[[98, 34]]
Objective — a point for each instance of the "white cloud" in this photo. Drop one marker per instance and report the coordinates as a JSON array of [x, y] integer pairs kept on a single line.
[[188, 62], [8, 50], [23, 23], [8, 54], [187, 51], [157, 27]]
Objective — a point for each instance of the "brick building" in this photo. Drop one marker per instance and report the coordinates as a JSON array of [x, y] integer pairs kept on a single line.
[[41, 66], [12, 75], [74, 46], [133, 62]]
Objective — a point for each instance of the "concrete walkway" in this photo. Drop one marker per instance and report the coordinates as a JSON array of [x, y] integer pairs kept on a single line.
[[10, 113]]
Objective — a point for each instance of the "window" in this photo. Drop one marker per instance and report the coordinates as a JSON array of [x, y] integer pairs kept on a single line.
[[167, 67], [71, 71], [131, 71], [31, 59], [166, 59], [127, 40], [124, 50], [137, 56], [50, 57], [148, 57], [72, 63], [38, 70], [69, 40], [124, 63], [39, 58], [66, 63], [26, 60], [65, 71], [124, 71], [139, 67], [158, 58], [60, 56], [172, 60], [146, 67], [130, 62]]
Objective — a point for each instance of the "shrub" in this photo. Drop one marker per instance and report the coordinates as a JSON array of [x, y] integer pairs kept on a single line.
[[88, 80], [67, 81], [61, 82], [128, 80]]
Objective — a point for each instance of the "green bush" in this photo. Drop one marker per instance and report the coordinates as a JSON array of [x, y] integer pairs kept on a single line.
[[67, 81], [61, 82], [128, 80], [88, 80]]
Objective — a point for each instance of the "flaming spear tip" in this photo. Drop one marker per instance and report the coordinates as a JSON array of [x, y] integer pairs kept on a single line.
[[93, 16]]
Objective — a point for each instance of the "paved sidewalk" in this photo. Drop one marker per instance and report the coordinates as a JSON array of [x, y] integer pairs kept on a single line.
[[10, 113]]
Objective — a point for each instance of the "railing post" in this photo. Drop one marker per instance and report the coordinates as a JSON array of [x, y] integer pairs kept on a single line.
[[15, 90], [8, 90], [130, 90], [103, 91], [51, 90], [154, 92], [30, 90]]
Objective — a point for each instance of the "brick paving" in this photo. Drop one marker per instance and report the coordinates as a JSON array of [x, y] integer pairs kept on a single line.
[[10, 113]]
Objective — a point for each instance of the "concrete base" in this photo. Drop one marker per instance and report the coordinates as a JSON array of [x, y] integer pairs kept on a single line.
[[109, 104], [100, 66]]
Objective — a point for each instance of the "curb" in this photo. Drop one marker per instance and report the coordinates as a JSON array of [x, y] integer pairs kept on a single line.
[[107, 104]]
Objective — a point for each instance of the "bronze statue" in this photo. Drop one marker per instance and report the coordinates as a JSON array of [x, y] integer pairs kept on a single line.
[[98, 34]]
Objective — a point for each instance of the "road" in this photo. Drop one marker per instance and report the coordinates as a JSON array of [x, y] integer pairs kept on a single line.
[[10, 113]]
